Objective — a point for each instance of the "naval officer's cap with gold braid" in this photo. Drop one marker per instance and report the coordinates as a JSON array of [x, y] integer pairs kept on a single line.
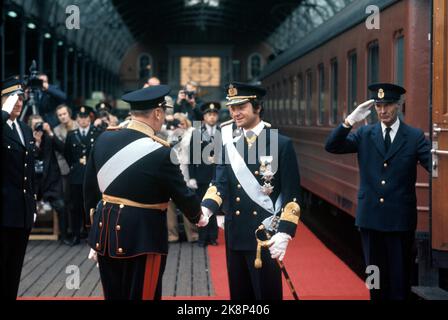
[[239, 93]]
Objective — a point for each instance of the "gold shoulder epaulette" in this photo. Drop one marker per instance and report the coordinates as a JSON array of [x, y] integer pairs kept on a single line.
[[113, 128], [159, 140], [267, 124], [226, 123]]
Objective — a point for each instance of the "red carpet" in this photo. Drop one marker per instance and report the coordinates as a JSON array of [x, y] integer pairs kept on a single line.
[[317, 274]]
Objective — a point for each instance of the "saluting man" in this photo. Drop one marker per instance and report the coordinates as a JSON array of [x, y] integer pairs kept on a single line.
[[257, 179], [18, 189], [129, 180], [202, 164], [388, 153], [77, 150]]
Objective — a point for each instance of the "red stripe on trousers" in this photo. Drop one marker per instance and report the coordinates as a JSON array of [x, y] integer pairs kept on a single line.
[[152, 270]]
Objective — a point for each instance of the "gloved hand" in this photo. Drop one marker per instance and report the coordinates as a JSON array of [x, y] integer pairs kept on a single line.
[[93, 255], [220, 221], [35, 217], [10, 103], [192, 184], [277, 245], [360, 113], [205, 217]]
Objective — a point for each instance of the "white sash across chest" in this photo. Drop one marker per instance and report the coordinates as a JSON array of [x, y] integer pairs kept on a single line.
[[245, 177]]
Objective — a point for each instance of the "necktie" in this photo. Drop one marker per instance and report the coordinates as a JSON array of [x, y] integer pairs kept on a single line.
[[14, 129], [387, 140], [250, 137]]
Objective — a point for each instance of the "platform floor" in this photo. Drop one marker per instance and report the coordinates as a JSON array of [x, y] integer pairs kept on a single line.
[[47, 268]]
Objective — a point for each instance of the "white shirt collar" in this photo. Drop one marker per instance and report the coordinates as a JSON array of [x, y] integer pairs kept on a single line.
[[9, 122], [257, 130], [210, 129], [394, 127]]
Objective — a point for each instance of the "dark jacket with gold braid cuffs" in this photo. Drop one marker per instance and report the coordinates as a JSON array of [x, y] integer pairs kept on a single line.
[[242, 215], [129, 217]]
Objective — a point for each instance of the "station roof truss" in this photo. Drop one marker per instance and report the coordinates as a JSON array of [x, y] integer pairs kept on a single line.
[[102, 34]]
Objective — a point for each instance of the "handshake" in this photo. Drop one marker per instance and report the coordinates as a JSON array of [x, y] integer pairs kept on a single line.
[[205, 217]]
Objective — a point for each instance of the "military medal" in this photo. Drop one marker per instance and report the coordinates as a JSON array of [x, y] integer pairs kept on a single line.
[[267, 174]]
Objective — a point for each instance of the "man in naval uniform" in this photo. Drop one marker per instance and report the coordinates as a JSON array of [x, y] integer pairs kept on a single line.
[[202, 165], [388, 153], [18, 189], [76, 152], [257, 179], [130, 178]]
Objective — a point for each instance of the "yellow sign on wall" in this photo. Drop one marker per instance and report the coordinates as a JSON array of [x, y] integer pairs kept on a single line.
[[206, 71]]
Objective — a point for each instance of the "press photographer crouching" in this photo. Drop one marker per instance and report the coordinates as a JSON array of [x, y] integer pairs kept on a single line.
[[48, 178]]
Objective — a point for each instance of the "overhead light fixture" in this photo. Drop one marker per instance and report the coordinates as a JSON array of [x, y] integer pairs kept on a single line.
[[12, 14], [60, 43], [47, 35], [70, 50], [31, 26]]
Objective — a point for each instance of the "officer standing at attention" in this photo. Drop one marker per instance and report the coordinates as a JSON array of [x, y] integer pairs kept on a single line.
[[77, 150], [257, 178], [132, 173], [388, 153], [202, 165], [18, 195]]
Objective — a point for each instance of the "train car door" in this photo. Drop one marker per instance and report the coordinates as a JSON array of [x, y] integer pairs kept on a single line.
[[439, 224]]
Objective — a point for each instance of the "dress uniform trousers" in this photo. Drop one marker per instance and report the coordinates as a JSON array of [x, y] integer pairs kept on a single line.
[[248, 283], [392, 253], [13, 243], [136, 278]]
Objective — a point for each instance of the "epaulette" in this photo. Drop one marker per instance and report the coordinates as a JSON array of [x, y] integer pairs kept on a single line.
[[113, 128], [160, 140], [267, 124], [226, 123]]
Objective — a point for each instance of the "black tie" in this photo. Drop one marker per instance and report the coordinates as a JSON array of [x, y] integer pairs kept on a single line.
[[387, 140], [14, 129]]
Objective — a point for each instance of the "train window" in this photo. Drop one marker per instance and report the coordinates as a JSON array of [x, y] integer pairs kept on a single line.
[[334, 91], [301, 99], [373, 63], [352, 81], [309, 96], [293, 100], [321, 97], [254, 65], [399, 60]]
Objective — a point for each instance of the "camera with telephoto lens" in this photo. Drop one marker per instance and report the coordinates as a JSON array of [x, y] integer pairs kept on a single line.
[[190, 94], [39, 126]]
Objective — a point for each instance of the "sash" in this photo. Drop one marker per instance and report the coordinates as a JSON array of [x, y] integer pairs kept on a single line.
[[245, 177], [123, 159]]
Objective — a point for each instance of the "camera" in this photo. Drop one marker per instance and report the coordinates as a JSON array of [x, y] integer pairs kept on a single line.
[[32, 81], [39, 126], [190, 94]]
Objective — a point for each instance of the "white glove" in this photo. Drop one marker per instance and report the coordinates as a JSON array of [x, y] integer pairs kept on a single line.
[[10, 103], [220, 221], [35, 217], [93, 255], [277, 245], [360, 113], [192, 183], [205, 217]]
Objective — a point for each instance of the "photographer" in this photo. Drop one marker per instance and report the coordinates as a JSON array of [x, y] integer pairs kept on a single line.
[[188, 103], [47, 173], [47, 99]]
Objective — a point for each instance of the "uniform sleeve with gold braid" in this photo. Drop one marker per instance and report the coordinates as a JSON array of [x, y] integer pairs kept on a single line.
[[212, 199], [289, 218]]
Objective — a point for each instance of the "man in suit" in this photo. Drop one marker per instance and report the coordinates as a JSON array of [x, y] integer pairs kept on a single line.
[[202, 165], [48, 99], [76, 152], [388, 154], [18, 194], [256, 179], [129, 180]]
